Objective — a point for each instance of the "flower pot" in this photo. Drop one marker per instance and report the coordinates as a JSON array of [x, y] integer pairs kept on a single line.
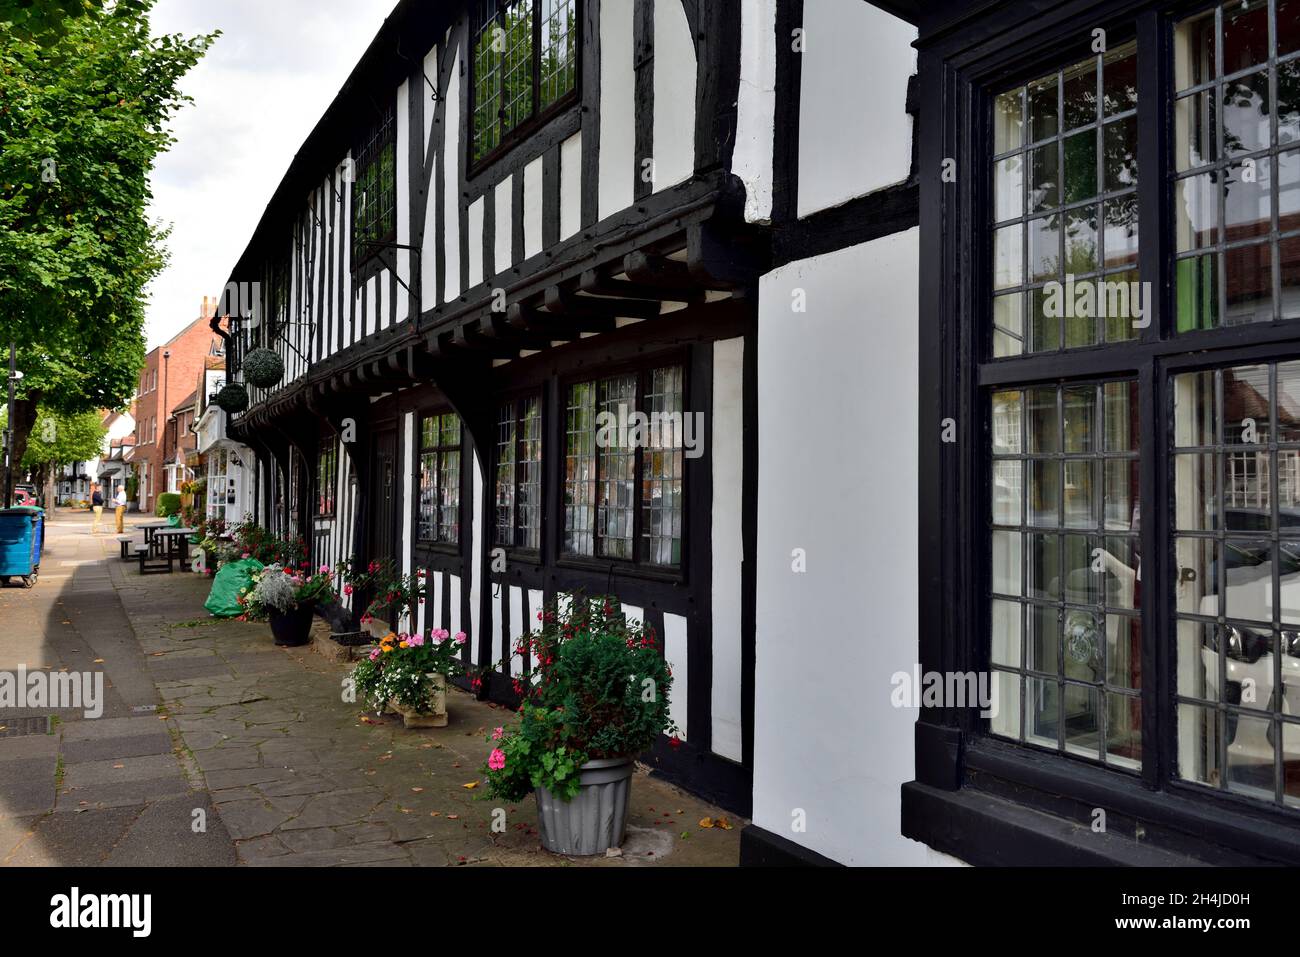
[[294, 627], [596, 819], [434, 714]]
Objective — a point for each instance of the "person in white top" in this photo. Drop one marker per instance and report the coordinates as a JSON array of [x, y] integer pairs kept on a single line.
[[119, 501]]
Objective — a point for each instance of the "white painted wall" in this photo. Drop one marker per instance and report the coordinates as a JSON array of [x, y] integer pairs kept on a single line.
[[837, 478], [451, 191], [756, 107], [855, 134], [617, 108], [474, 245], [476, 557], [675, 650], [429, 245], [409, 466], [431, 71], [533, 208], [674, 86], [571, 185], [727, 436], [504, 229], [403, 138]]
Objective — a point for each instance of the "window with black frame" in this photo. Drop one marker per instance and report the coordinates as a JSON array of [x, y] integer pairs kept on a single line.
[[1067, 599], [524, 63], [374, 188], [519, 474], [438, 518], [327, 472], [624, 467]]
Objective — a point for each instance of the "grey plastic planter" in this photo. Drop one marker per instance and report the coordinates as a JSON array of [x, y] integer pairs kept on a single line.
[[596, 819]]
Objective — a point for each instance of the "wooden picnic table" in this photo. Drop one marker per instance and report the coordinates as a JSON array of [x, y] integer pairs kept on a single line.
[[177, 542]]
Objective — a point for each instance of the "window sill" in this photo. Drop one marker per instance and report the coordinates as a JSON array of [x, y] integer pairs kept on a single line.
[[1023, 808]]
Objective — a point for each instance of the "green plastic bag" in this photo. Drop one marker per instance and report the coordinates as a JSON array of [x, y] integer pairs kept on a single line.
[[230, 580], [174, 520]]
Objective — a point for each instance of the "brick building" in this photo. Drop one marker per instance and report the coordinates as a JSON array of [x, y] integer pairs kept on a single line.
[[166, 380]]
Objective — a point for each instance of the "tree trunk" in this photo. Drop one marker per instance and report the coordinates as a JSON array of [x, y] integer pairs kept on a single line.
[[24, 422]]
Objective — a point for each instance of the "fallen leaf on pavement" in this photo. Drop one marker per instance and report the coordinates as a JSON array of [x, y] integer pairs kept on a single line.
[[706, 822], [471, 786]]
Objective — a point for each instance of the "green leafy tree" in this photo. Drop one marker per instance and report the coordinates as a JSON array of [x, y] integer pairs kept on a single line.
[[61, 439], [86, 95]]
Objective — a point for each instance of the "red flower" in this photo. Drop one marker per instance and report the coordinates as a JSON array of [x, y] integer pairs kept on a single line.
[[675, 742]]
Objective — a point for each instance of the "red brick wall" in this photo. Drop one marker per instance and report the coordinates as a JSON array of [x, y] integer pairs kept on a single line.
[[175, 378]]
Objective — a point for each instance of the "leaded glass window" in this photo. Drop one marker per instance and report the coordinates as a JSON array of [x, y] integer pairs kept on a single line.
[[1065, 205], [624, 467], [1236, 166], [519, 473], [525, 57], [374, 188], [439, 503]]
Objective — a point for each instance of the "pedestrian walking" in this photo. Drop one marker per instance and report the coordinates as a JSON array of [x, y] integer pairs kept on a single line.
[[96, 506], [119, 502]]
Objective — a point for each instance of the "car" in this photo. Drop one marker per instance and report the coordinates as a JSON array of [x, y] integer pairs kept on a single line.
[[24, 494], [1249, 659]]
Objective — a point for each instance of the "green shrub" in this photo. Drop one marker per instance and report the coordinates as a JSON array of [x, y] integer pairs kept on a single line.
[[169, 503]]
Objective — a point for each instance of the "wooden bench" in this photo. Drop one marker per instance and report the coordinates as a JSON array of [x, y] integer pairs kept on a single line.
[[152, 563]]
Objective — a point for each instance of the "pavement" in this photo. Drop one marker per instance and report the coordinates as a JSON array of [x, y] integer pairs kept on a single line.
[[217, 748]]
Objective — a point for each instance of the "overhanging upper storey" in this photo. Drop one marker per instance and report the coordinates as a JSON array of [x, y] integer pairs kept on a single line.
[[500, 176]]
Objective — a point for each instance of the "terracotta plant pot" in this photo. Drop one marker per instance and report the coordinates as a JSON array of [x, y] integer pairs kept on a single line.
[[434, 714]]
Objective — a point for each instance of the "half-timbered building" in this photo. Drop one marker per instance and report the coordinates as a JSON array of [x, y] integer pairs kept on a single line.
[[522, 220]]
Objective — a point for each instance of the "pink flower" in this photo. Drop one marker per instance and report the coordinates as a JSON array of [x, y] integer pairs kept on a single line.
[[347, 589], [539, 616], [497, 732], [324, 569], [374, 653], [415, 641], [365, 619], [437, 636], [460, 638], [245, 555], [497, 759]]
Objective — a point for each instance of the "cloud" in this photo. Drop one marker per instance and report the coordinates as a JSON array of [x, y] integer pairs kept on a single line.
[[257, 94]]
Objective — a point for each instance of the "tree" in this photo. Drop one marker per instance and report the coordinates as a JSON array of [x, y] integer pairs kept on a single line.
[[86, 95], [61, 439]]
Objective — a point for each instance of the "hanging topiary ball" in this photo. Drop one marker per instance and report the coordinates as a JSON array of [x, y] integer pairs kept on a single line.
[[233, 397], [263, 368]]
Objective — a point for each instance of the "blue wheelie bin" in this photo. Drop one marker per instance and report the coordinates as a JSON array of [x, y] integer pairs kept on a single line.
[[22, 532]]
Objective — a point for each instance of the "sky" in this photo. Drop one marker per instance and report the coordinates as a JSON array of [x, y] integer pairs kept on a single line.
[[257, 94]]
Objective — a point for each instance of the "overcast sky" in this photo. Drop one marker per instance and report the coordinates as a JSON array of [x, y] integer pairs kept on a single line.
[[257, 94]]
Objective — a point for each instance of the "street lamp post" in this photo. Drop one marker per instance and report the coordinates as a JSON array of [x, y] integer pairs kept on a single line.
[[10, 464]]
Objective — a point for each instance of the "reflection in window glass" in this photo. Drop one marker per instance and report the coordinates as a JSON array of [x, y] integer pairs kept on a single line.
[[438, 513], [1065, 201], [1237, 678], [1236, 106], [1075, 484]]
